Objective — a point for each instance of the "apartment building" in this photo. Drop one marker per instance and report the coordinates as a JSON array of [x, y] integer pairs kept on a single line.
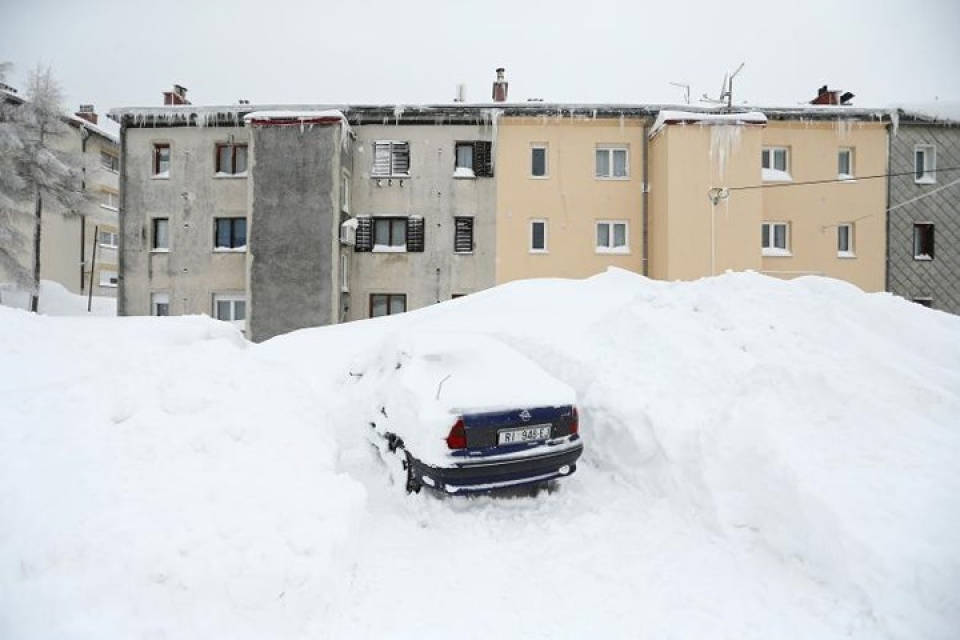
[[78, 252], [923, 261]]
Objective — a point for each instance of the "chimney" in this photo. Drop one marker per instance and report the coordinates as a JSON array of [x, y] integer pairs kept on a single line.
[[461, 93], [831, 97], [175, 97], [87, 113], [500, 87]]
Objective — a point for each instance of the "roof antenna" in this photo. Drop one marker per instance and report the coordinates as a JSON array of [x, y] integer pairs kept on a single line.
[[686, 91], [726, 90]]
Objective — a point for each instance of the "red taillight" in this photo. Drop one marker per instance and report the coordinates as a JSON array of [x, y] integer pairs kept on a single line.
[[458, 436], [575, 422]]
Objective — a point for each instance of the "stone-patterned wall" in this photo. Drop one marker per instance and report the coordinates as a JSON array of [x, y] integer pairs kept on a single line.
[[937, 279]]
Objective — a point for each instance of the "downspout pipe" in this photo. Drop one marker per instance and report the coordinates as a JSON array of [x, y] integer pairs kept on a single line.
[[644, 200]]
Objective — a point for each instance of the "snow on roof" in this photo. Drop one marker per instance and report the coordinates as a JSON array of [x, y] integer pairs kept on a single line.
[[668, 116], [304, 116], [939, 110], [111, 132]]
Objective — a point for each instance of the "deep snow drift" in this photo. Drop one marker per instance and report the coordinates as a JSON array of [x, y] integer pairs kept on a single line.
[[764, 459]]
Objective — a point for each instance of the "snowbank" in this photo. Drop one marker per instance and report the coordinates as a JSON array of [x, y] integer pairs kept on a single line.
[[57, 300], [764, 459]]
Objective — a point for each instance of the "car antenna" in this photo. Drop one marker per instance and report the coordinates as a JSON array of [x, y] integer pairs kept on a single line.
[[440, 386]]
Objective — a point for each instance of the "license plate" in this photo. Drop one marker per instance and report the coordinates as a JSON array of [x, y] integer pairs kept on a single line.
[[524, 434]]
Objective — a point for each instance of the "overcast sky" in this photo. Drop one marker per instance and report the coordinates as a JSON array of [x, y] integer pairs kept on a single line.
[[116, 53]]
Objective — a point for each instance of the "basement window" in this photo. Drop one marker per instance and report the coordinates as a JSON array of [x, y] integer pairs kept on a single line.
[[387, 304]]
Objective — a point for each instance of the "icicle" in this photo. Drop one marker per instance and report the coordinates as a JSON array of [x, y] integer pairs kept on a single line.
[[895, 121], [724, 140], [397, 113]]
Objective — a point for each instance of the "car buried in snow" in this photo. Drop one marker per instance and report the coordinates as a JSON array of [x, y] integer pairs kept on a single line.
[[464, 413]]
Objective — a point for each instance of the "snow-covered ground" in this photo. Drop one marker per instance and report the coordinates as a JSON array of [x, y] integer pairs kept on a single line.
[[764, 459], [56, 300]]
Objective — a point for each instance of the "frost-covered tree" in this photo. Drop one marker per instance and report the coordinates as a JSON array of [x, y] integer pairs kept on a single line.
[[36, 174]]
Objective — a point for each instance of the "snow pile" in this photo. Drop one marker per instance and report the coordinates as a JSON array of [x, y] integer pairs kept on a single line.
[[763, 459], [57, 300]]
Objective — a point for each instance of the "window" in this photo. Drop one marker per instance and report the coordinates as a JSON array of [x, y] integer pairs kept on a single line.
[[923, 234], [230, 233], [612, 237], [110, 200], [108, 279], [231, 159], [387, 304], [390, 234], [161, 234], [925, 164], [107, 239], [161, 160], [845, 240], [345, 192], [775, 162], [230, 308], [538, 161], [612, 162], [391, 159], [473, 159], [538, 236], [775, 239], [845, 164], [463, 235], [109, 161], [924, 301], [160, 304]]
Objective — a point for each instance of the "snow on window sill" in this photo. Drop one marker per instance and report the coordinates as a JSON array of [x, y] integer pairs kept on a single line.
[[775, 175], [846, 254], [108, 207], [623, 251], [925, 180], [396, 176], [387, 248], [159, 250], [242, 249], [538, 251], [846, 177], [464, 172], [923, 257], [224, 174], [544, 177], [770, 252], [108, 286], [112, 247], [614, 178], [161, 176], [463, 253]]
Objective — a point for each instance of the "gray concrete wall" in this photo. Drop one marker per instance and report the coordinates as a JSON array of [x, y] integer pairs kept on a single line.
[[432, 192], [295, 220], [938, 279], [192, 271]]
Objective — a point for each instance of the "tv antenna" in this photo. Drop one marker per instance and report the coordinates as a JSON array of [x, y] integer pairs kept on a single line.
[[686, 91], [726, 89]]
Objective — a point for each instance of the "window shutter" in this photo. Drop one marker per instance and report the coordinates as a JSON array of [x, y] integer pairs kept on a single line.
[[400, 159], [415, 228], [364, 234], [463, 235], [381, 158], [483, 159]]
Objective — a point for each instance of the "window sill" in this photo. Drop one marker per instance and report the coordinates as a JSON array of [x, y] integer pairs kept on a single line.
[[845, 177], [846, 254], [107, 286], [925, 180], [230, 176], [108, 247], [613, 178], [923, 258], [463, 253], [776, 253], [155, 250], [161, 176], [242, 249], [396, 177], [616, 252], [109, 208], [383, 248], [540, 177], [464, 173], [538, 251], [775, 175]]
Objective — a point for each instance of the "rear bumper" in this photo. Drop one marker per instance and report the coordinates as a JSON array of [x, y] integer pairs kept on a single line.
[[481, 475]]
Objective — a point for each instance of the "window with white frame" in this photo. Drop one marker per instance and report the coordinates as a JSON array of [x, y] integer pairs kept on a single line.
[[612, 236], [230, 307], [538, 236], [387, 304], [539, 167], [775, 238], [923, 240], [161, 234], [108, 279], [612, 162], [160, 304], [107, 239], [110, 200], [925, 164], [845, 164], [845, 240], [391, 159], [775, 164]]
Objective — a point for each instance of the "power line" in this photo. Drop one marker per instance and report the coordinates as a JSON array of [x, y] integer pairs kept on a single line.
[[836, 180]]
